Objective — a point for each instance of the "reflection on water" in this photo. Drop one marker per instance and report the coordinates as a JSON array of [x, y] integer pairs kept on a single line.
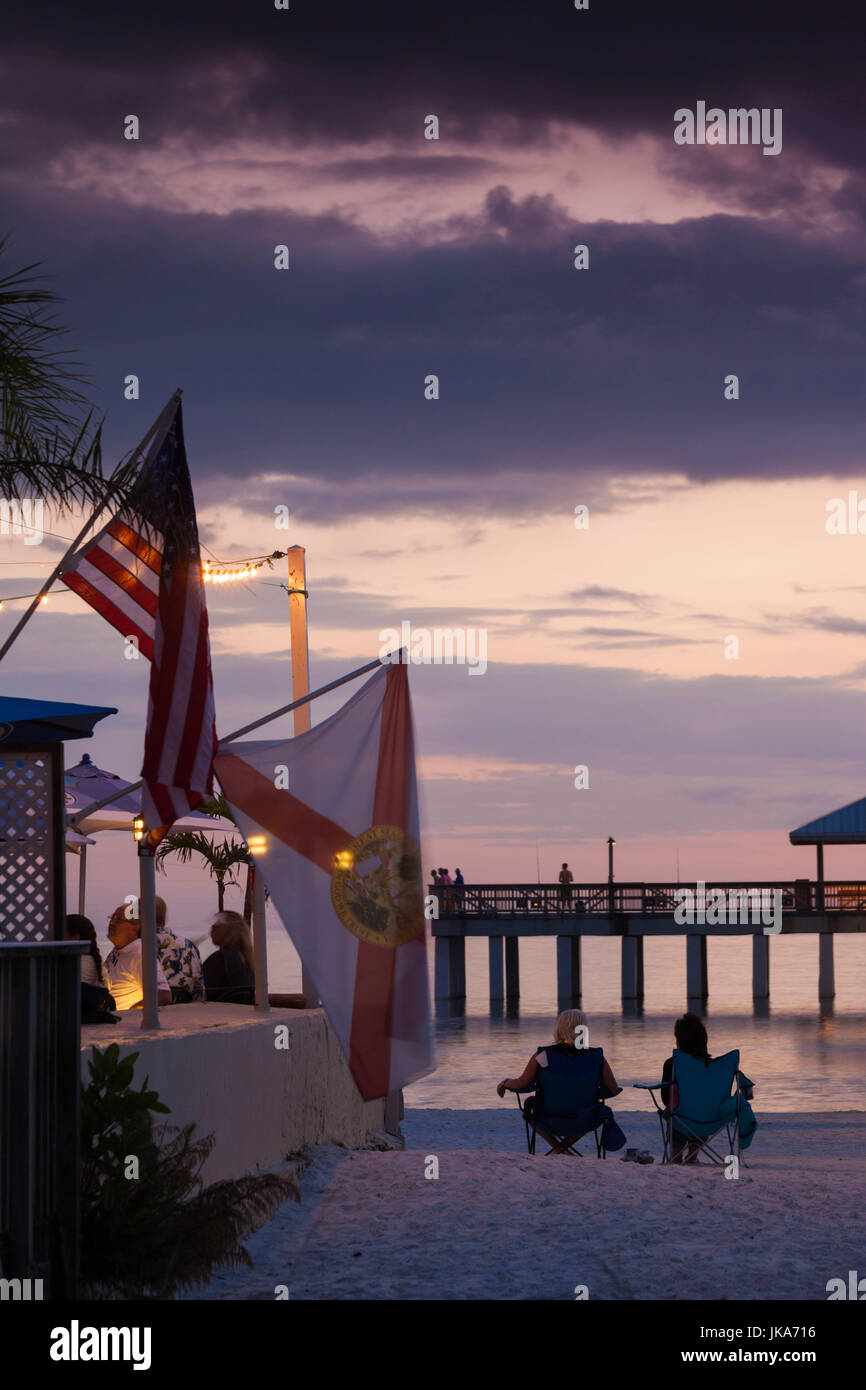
[[801, 1053]]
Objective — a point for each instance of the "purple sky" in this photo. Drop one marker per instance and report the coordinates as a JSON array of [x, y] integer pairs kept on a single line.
[[557, 388]]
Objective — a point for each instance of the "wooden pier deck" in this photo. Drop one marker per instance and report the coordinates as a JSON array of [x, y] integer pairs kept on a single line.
[[632, 911]]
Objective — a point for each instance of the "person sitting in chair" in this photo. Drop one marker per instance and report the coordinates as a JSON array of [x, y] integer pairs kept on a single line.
[[229, 975], [691, 1037], [571, 1039], [123, 968]]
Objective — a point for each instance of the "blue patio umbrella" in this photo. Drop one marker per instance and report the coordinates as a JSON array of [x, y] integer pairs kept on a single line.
[[47, 721]]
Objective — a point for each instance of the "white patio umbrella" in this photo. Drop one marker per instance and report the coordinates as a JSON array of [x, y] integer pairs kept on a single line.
[[86, 784]]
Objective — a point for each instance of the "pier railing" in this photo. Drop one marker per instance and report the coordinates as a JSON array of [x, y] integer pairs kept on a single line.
[[495, 900]]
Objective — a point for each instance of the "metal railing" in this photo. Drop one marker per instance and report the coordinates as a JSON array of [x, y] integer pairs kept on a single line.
[[497, 900]]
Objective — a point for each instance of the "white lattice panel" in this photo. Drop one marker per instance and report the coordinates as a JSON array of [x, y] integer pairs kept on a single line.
[[26, 848]]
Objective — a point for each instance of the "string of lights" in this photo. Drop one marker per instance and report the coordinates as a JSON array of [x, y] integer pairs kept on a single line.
[[213, 572]]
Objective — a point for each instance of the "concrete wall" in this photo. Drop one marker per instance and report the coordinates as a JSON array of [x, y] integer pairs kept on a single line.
[[217, 1064]]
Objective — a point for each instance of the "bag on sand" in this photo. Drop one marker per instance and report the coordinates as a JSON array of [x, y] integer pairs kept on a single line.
[[612, 1136]]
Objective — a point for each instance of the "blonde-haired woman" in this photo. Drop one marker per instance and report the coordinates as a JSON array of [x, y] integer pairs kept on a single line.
[[229, 976], [571, 1042]]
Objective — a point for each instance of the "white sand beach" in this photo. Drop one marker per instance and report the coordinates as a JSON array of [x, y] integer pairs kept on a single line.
[[499, 1224]]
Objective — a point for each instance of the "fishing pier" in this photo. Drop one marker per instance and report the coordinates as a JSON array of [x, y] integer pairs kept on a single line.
[[634, 911]]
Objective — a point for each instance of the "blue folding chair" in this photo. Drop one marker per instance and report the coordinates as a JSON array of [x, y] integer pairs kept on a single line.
[[704, 1100], [568, 1103]]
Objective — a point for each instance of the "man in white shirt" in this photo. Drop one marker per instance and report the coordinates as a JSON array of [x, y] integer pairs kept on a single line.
[[123, 964]]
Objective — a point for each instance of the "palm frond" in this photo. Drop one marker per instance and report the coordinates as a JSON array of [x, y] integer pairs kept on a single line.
[[220, 858], [50, 441], [218, 807]]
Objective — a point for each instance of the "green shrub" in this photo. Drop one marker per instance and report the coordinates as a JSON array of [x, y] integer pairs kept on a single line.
[[163, 1231]]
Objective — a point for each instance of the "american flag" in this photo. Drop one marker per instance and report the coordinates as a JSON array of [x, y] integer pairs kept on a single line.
[[143, 573]]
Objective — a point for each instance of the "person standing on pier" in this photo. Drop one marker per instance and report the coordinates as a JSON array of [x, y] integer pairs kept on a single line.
[[566, 878], [458, 880]]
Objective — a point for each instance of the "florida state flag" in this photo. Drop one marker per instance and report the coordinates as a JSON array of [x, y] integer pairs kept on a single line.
[[338, 810]]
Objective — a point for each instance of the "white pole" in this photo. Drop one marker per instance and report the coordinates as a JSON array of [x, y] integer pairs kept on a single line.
[[260, 944], [82, 877], [300, 651], [147, 918], [300, 654]]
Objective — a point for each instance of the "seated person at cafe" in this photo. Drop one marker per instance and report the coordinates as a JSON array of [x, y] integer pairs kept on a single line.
[[180, 961], [228, 973], [80, 928], [123, 964]]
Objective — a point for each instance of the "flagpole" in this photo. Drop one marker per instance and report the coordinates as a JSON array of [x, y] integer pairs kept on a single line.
[[28, 613], [239, 733], [260, 943], [147, 932], [323, 690], [299, 650], [100, 507]]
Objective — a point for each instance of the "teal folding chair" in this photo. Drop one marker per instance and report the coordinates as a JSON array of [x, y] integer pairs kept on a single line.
[[703, 1102]]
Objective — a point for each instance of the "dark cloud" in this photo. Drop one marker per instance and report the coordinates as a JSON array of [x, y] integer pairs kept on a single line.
[[360, 71], [319, 372]]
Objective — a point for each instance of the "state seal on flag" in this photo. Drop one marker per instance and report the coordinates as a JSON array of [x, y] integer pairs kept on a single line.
[[376, 887]]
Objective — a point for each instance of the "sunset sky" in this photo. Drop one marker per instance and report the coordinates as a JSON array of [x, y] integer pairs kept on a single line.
[[558, 387]]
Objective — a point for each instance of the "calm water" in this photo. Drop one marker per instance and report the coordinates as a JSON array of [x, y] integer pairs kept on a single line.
[[799, 1055]]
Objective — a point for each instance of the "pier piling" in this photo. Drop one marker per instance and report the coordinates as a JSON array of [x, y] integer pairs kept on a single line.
[[497, 968], [632, 967], [696, 968], [568, 969], [760, 967], [512, 967], [449, 980], [826, 968]]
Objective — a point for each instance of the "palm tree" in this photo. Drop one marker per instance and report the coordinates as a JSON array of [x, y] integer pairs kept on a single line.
[[50, 445], [220, 858]]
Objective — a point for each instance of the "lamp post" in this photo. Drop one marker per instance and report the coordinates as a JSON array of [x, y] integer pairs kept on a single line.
[[610, 844]]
